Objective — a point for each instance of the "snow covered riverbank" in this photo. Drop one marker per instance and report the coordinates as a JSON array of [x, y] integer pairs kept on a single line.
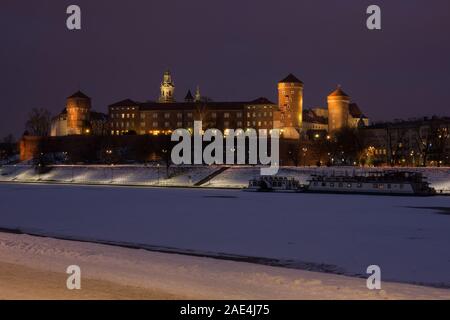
[[185, 176], [34, 268], [407, 237]]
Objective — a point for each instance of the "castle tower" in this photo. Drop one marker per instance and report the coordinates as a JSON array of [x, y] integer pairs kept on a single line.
[[338, 110], [167, 89], [290, 102], [78, 108]]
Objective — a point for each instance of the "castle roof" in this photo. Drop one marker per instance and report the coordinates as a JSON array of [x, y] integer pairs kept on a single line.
[[355, 111], [192, 105], [189, 96], [78, 94], [338, 93], [291, 79], [261, 100], [125, 103], [311, 117]]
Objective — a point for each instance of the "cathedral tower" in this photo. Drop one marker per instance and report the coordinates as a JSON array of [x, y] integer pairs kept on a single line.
[[167, 89], [338, 110], [78, 108]]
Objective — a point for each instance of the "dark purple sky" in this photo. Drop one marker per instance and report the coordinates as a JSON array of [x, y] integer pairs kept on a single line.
[[235, 50]]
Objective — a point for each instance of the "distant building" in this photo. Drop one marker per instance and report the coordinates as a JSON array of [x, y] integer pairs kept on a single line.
[[78, 119], [422, 142]]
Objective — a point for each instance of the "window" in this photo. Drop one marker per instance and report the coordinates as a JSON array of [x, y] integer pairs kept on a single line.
[[167, 124], [249, 115], [226, 124], [239, 123], [142, 124], [359, 185], [226, 115], [128, 116], [179, 124], [239, 114], [155, 124], [179, 115], [189, 115], [142, 115], [123, 115], [155, 115], [166, 115]]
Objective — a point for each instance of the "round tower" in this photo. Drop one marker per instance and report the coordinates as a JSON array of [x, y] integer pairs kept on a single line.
[[167, 88], [338, 110], [290, 101], [78, 108]]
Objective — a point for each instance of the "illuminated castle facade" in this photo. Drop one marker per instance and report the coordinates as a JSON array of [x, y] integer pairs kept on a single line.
[[77, 118], [166, 114]]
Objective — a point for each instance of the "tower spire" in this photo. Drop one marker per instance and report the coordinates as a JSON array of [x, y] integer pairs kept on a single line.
[[198, 96], [167, 88]]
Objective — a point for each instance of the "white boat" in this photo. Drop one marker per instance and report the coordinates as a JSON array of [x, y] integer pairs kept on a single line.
[[273, 184], [387, 183]]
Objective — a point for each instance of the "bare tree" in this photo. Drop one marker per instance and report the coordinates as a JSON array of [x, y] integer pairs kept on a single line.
[[396, 138], [432, 141], [38, 123]]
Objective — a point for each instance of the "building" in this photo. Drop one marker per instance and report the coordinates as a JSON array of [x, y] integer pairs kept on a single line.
[[132, 117], [78, 119], [416, 142], [342, 113], [290, 103]]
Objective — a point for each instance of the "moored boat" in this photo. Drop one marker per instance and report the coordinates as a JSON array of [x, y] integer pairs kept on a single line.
[[385, 182], [273, 184]]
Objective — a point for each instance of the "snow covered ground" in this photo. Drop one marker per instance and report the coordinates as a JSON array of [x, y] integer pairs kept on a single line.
[[106, 174], [234, 177], [407, 237], [164, 276]]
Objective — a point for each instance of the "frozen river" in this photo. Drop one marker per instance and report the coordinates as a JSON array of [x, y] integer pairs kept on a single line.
[[409, 238]]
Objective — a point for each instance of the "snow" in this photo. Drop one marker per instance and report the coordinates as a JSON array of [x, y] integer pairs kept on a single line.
[[186, 276], [332, 233], [106, 174], [233, 177]]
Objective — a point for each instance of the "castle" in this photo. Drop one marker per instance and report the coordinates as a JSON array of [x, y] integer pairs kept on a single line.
[[162, 117]]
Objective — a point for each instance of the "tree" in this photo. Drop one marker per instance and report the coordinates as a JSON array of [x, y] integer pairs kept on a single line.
[[347, 145], [38, 123]]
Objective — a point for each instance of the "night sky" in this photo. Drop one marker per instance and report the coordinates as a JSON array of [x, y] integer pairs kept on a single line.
[[235, 50]]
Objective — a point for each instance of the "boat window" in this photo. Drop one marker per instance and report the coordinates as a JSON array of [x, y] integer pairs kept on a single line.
[[389, 186], [375, 186], [349, 185], [359, 185], [315, 183], [332, 184], [340, 185], [324, 184]]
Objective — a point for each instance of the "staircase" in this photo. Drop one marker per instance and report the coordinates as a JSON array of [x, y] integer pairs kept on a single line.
[[211, 176]]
